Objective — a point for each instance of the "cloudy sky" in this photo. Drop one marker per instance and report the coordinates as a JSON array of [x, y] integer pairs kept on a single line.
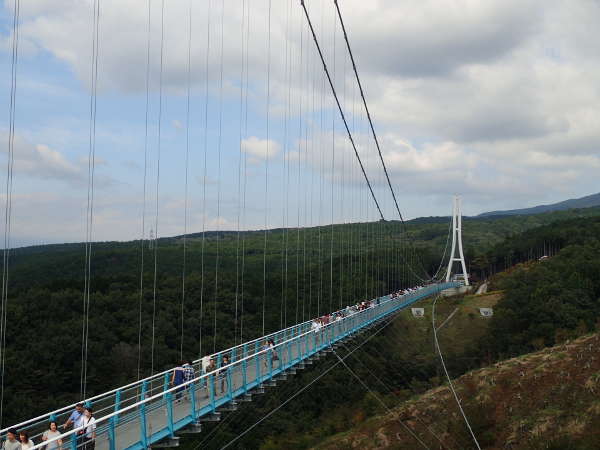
[[494, 100]]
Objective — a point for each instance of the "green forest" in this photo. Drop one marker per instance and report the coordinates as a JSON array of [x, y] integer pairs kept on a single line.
[[303, 273]]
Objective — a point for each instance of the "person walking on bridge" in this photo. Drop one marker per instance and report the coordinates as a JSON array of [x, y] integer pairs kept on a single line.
[[11, 442], [210, 368], [177, 379], [26, 443], [222, 374], [51, 433], [89, 432], [75, 419], [204, 363], [273, 351], [188, 374]]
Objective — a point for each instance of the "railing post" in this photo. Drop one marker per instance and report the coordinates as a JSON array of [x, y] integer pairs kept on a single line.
[[220, 374], [74, 441], [257, 361], [169, 401], [245, 369], [117, 404], [111, 434], [306, 344], [113, 422], [283, 349], [143, 434], [289, 348], [192, 388], [269, 354], [211, 383], [229, 390], [299, 344], [279, 350]]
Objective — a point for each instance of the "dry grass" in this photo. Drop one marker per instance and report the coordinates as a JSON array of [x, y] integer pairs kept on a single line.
[[520, 402]]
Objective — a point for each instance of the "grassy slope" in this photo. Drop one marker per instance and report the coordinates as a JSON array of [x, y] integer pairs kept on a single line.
[[546, 399]]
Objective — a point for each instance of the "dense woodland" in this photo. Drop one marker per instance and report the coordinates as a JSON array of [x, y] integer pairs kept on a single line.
[[309, 271]]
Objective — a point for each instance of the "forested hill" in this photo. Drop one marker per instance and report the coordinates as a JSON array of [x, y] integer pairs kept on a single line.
[[589, 201], [59, 266], [308, 271]]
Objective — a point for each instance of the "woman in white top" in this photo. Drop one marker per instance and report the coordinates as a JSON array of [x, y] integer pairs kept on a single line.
[[26, 443], [51, 433], [89, 422], [205, 363]]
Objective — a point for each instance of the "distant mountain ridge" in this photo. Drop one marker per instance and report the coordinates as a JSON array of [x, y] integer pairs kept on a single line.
[[584, 202]]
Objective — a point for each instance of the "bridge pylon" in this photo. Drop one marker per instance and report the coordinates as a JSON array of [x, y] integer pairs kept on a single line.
[[457, 242]]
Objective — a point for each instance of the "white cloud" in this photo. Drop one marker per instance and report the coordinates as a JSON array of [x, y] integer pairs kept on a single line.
[[494, 99], [221, 223], [260, 149], [42, 162]]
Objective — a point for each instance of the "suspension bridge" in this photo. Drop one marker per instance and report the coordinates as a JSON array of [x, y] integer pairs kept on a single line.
[[150, 412]]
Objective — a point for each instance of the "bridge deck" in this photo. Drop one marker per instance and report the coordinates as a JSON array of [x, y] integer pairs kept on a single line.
[[150, 410]]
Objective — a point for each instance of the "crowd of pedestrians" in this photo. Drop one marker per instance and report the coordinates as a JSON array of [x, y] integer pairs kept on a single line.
[[406, 291], [320, 322], [81, 419], [17, 441]]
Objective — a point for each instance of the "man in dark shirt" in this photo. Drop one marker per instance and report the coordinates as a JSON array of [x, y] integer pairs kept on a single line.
[[177, 379]]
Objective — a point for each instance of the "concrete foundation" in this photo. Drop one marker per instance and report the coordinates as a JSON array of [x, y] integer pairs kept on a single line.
[[456, 291]]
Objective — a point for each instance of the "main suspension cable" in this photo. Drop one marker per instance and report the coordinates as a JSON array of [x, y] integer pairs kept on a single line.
[[341, 111], [362, 94]]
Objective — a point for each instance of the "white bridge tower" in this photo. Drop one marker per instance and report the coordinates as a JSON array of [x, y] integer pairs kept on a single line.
[[457, 239]]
